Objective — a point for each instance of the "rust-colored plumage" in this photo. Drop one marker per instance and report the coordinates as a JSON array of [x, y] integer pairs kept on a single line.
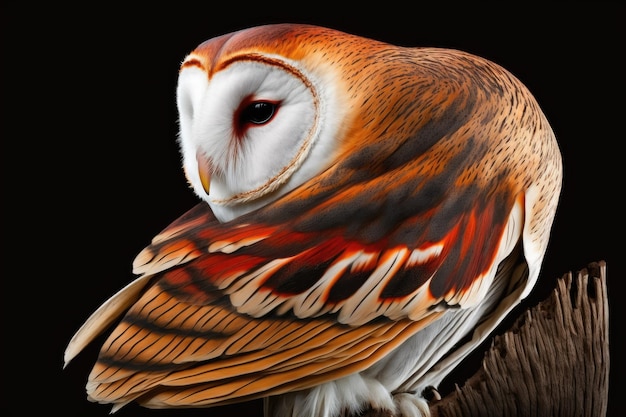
[[414, 208]]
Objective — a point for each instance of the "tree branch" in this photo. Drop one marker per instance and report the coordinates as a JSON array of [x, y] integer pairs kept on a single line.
[[553, 361]]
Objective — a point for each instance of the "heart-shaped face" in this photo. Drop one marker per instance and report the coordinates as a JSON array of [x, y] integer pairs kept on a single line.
[[253, 127]]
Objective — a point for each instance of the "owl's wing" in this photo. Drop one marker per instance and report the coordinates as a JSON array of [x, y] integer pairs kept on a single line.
[[241, 310]]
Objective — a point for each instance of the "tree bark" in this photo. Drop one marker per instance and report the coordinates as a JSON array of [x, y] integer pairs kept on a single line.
[[553, 361]]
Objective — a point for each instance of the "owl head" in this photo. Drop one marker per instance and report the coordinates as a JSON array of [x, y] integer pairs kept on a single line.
[[256, 122]]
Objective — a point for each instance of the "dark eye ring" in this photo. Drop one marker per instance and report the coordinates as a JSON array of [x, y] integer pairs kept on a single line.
[[258, 112]]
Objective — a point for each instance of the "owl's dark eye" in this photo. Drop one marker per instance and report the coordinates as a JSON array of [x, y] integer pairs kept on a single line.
[[258, 112]]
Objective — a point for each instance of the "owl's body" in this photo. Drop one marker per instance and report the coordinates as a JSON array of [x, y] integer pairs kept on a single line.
[[370, 213]]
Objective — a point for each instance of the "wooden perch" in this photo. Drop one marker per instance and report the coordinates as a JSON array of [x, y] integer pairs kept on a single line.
[[553, 361]]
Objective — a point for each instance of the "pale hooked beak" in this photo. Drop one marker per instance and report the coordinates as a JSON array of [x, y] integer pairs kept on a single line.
[[204, 171]]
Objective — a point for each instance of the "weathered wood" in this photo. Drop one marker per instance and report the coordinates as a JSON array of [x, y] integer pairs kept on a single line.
[[553, 361]]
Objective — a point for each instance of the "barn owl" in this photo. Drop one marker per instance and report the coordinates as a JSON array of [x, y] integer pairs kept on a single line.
[[367, 214]]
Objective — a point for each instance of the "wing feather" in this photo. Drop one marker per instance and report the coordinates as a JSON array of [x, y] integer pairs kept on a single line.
[[104, 316], [227, 319], [233, 355]]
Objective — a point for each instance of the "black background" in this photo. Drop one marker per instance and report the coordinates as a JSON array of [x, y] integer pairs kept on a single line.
[[91, 169]]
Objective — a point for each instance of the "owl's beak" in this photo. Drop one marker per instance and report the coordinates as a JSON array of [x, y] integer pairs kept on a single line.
[[204, 171]]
